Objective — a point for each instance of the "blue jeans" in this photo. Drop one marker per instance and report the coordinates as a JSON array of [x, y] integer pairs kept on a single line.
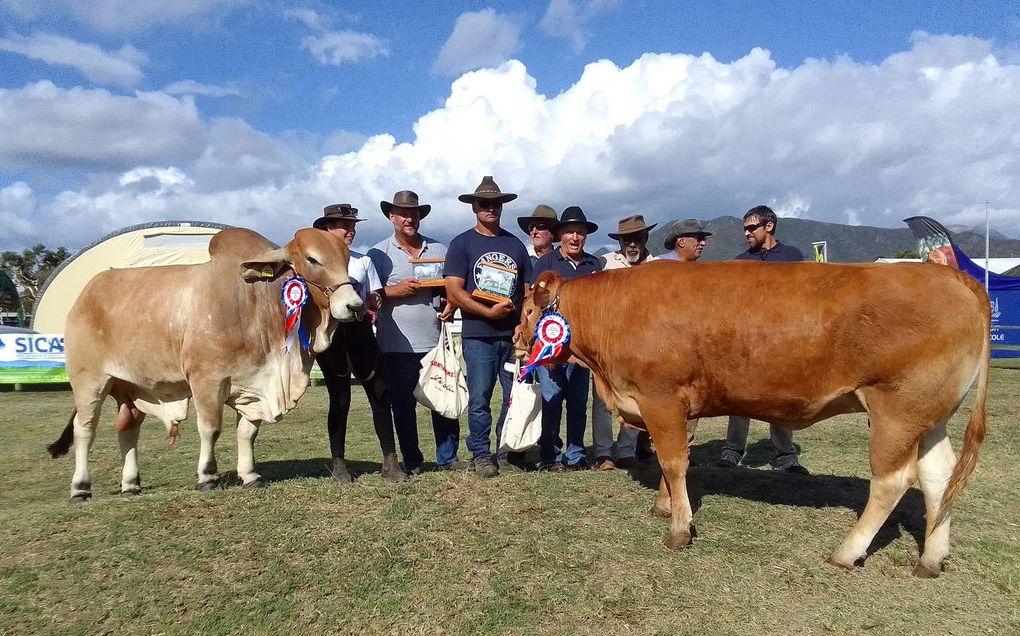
[[401, 371], [567, 382], [485, 359]]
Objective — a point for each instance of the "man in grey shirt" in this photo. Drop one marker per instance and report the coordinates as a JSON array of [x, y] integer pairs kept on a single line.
[[408, 324]]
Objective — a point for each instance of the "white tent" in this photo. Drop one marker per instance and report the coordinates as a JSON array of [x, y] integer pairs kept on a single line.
[[165, 243]]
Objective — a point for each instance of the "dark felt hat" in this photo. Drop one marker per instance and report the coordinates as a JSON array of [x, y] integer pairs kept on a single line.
[[487, 190], [686, 227], [404, 199], [574, 214], [335, 212]]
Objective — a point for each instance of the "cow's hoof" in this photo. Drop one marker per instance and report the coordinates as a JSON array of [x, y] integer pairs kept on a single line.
[[80, 497], [258, 484], [832, 560], [656, 511], [922, 571], [678, 541], [131, 491], [206, 486]]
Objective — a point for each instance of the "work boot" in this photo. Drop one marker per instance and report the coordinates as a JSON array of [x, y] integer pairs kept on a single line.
[[391, 470], [339, 471]]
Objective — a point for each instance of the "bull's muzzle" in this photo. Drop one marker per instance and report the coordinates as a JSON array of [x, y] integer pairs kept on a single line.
[[345, 305]]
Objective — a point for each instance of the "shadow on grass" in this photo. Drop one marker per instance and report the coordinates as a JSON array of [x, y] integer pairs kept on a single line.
[[777, 487]]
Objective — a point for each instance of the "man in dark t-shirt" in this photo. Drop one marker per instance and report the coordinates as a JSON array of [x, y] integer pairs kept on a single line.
[[486, 269], [759, 229]]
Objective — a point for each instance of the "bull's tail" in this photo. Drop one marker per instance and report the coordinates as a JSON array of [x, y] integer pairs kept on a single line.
[[974, 434], [60, 447]]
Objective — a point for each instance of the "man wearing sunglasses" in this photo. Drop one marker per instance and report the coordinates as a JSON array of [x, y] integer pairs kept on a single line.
[[538, 227], [759, 230], [632, 234]]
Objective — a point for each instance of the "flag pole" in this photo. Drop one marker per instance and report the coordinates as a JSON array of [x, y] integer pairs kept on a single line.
[[986, 245]]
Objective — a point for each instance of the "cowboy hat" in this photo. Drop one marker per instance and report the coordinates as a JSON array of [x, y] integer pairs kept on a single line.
[[488, 190], [686, 227], [404, 199], [574, 214], [542, 214], [335, 212], [631, 225]]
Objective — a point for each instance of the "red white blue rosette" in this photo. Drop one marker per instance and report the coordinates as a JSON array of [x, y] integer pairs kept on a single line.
[[295, 295], [552, 333]]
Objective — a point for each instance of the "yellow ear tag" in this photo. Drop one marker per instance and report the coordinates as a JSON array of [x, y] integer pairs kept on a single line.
[[267, 271]]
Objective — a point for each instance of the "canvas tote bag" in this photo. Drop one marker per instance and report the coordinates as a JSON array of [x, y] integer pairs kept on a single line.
[[523, 424], [442, 385]]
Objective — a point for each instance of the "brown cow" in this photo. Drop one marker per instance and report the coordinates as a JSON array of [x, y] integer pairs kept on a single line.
[[156, 337], [903, 343]]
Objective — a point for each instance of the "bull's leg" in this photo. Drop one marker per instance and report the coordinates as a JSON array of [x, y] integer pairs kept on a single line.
[[89, 395], [246, 433], [667, 424], [935, 460], [129, 421], [209, 411], [893, 468], [662, 507]]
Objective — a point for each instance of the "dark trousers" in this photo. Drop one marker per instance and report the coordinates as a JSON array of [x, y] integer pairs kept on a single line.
[[401, 371], [354, 350]]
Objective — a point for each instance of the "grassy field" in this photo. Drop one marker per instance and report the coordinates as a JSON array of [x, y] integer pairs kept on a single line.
[[445, 553]]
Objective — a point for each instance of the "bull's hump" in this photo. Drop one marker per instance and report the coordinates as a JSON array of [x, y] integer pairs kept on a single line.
[[238, 244]]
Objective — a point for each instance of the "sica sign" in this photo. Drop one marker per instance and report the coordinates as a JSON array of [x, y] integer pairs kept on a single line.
[[31, 358]]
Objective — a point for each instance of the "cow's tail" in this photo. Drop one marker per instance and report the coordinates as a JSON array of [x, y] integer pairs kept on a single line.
[[60, 447], [974, 434]]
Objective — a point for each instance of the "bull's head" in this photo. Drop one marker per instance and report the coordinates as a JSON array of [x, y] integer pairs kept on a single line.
[[321, 259], [544, 297]]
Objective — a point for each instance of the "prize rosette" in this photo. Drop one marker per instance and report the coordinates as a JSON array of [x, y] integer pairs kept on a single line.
[[552, 333], [295, 295]]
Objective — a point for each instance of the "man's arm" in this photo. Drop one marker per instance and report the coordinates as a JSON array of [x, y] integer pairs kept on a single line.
[[456, 294]]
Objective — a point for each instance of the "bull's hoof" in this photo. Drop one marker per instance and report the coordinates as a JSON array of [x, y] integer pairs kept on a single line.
[[678, 541], [206, 486], [922, 571], [80, 497], [656, 511], [131, 491], [258, 484], [832, 560]]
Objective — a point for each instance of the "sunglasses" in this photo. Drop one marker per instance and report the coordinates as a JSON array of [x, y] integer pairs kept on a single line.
[[541, 227], [488, 205], [639, 237], [754, 226]]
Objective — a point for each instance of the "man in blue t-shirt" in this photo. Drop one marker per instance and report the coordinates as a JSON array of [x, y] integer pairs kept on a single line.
[[759, 230], [486, 269], [566, 382]]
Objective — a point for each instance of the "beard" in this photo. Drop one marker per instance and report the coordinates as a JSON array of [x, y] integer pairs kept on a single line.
[[633, 256]]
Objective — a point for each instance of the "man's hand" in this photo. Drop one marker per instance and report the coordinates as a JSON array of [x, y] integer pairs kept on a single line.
[[404, 288], [500, 310], [446, 313], [374, 301]]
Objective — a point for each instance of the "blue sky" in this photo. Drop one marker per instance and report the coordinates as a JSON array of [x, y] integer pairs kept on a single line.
[[258, 113]]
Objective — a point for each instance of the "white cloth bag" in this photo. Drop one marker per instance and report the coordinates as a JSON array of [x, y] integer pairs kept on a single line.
[[522, 427], [442, 385]]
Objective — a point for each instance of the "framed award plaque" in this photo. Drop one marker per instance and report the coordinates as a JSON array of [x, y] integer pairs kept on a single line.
[[494, 282], [428, 271]]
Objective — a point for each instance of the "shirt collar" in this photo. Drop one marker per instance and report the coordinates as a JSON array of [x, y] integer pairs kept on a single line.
[[424, 243]]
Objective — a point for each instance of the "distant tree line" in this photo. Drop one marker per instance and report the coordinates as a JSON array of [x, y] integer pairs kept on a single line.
[[29, 269]]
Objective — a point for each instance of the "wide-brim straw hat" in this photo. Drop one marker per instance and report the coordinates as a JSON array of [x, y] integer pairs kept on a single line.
[[487, 190], [574, 214], [335, 212], [405, 199], [542, 214], [631, 225]]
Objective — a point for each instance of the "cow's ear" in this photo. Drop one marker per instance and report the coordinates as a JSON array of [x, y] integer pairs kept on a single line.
[[266, 266]]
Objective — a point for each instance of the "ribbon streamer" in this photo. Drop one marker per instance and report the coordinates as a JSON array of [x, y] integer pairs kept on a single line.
[[295, 295], [552, 333]]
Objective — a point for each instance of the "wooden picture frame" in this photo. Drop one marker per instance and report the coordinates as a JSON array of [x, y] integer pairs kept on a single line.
[[428, 271]]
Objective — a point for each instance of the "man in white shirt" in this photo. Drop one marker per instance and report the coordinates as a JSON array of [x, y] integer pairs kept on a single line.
[[408, 324], [354, 349], [632, 234]]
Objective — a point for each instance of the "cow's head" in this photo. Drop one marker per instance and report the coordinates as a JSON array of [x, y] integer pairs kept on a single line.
[[544, 297], [321, 259]]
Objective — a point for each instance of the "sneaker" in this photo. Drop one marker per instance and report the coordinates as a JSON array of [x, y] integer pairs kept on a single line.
[[486, 467], [339, 471], [417, 470], [581, 465], [455, 465], [728, 459], [511, 467], [795, 469], [605, 463], [553, 467]]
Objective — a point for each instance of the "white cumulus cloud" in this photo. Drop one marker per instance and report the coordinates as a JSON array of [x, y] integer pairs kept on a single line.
[[121, 67], [479, 39]]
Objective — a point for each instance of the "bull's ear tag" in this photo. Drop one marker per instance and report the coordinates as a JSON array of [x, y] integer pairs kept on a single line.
[[267, 271], [542, 284], [552, 333]]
